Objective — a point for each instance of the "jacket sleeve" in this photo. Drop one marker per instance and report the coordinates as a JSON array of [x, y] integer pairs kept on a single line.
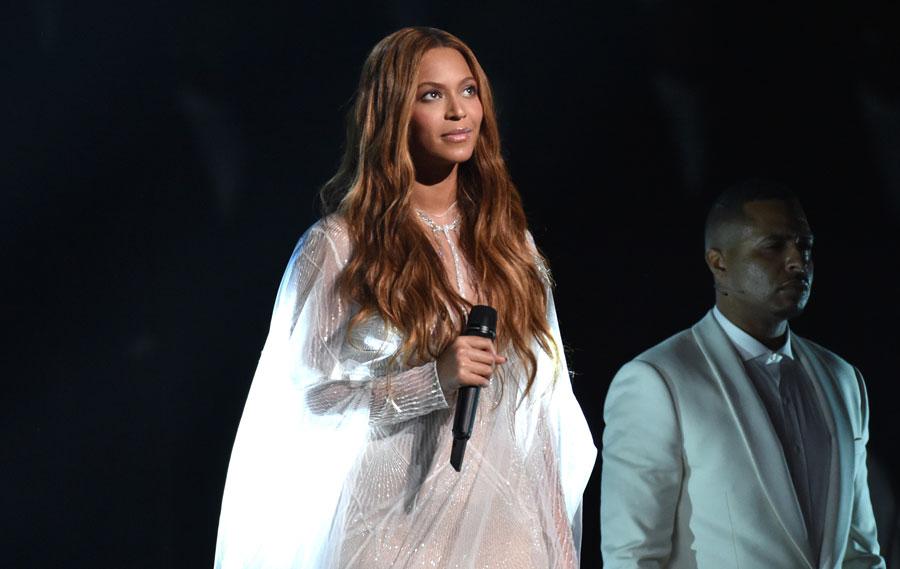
[[641, 473], [862, 543]]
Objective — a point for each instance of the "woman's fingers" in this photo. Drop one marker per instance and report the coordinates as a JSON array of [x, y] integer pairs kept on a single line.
[[479, 369], [468, 361], [476, 368], [478, 356], [484, 346], [476, 342], [472, 380]]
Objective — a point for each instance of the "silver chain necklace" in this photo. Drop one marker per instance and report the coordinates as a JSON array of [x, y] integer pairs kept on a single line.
[[446, 229]]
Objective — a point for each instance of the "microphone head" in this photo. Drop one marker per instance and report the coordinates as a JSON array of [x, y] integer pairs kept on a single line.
[[482, 322]]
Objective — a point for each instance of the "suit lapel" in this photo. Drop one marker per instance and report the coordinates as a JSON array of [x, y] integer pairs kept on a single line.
[[756, 428], [837, 513]]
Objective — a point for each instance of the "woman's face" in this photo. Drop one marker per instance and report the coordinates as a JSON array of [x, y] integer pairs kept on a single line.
[[446, 115]]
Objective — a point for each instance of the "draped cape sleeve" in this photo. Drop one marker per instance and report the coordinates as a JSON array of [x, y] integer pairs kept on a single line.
[[307, 416], [571, 446]]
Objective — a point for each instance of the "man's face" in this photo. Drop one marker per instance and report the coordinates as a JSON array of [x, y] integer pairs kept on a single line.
[[768, 266]]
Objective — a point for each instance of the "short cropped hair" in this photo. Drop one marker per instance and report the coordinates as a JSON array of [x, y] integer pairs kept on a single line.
[[729, 206]]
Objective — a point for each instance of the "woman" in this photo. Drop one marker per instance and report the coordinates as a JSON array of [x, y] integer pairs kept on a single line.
[[341, 458]]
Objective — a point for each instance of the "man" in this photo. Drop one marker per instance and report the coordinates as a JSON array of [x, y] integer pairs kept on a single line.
[[736, 443]]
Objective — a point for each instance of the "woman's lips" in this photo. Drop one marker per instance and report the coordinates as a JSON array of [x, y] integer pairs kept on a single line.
[[458, 135]]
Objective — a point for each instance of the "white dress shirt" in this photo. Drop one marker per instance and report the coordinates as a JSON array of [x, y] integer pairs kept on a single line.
[[794, 408]]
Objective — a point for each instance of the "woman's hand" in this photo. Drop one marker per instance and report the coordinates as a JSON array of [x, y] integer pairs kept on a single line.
[[469, 360]]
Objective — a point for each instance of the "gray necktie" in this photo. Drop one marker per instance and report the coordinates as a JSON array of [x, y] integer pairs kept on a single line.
[[808, 455]]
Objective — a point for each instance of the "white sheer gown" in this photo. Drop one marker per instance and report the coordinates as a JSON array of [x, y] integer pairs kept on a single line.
[[342, 455]]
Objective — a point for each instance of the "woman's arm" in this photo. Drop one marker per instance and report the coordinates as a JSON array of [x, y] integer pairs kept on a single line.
[[344, 370]]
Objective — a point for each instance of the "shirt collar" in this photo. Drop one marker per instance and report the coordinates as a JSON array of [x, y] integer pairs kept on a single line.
[[749, 347]]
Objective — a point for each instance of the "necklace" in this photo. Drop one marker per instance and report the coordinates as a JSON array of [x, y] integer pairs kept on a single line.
[[437, 228], [446, 229]]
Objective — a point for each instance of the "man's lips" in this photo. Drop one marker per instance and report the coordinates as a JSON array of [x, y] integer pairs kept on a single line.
[[800, 283]]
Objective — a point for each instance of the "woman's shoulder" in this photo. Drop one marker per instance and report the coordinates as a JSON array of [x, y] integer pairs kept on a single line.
[[327, 237], [539, 260], [529, 240], [333, 226]]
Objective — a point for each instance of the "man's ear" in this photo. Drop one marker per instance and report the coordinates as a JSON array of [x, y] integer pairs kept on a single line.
[[715, 260]]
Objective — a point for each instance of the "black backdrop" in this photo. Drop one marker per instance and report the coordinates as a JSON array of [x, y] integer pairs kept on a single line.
[[159, 161]]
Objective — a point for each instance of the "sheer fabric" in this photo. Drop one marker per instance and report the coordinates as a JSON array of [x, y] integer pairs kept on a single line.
[[342, 455]]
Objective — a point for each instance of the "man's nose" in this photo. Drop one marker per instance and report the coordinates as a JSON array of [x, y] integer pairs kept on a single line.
[[799, 258]]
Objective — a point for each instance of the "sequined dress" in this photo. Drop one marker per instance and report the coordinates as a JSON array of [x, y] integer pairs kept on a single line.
[[342, 455]]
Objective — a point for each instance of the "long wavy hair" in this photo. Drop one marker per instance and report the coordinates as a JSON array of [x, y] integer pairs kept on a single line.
[[393, 270]]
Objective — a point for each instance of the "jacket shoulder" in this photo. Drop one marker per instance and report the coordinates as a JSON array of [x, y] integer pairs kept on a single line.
[[830, 359], [682, 347]]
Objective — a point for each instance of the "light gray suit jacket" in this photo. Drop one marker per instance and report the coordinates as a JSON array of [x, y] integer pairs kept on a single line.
[[693, 473]]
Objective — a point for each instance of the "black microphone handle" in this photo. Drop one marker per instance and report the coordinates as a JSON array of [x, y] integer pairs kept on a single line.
[[466, 406], [482, 322]]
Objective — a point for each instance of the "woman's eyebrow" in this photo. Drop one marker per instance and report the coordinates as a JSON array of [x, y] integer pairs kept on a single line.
[[437, 84]]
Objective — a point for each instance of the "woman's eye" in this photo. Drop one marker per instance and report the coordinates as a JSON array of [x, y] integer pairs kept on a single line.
[[471, 90], [431, 96]]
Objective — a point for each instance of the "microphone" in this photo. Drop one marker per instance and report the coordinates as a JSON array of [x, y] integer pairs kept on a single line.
[[482, 322]]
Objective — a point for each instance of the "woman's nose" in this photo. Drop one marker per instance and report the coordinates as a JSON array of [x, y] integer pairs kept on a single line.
[[455, 109]]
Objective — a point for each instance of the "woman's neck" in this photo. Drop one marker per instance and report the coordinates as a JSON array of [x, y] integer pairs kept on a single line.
[[435, 195]]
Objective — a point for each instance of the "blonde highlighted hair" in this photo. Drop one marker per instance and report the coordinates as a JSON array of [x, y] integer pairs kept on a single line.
[[393, 270]]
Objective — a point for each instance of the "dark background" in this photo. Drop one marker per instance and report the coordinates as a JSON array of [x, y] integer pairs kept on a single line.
[[160, 159]]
